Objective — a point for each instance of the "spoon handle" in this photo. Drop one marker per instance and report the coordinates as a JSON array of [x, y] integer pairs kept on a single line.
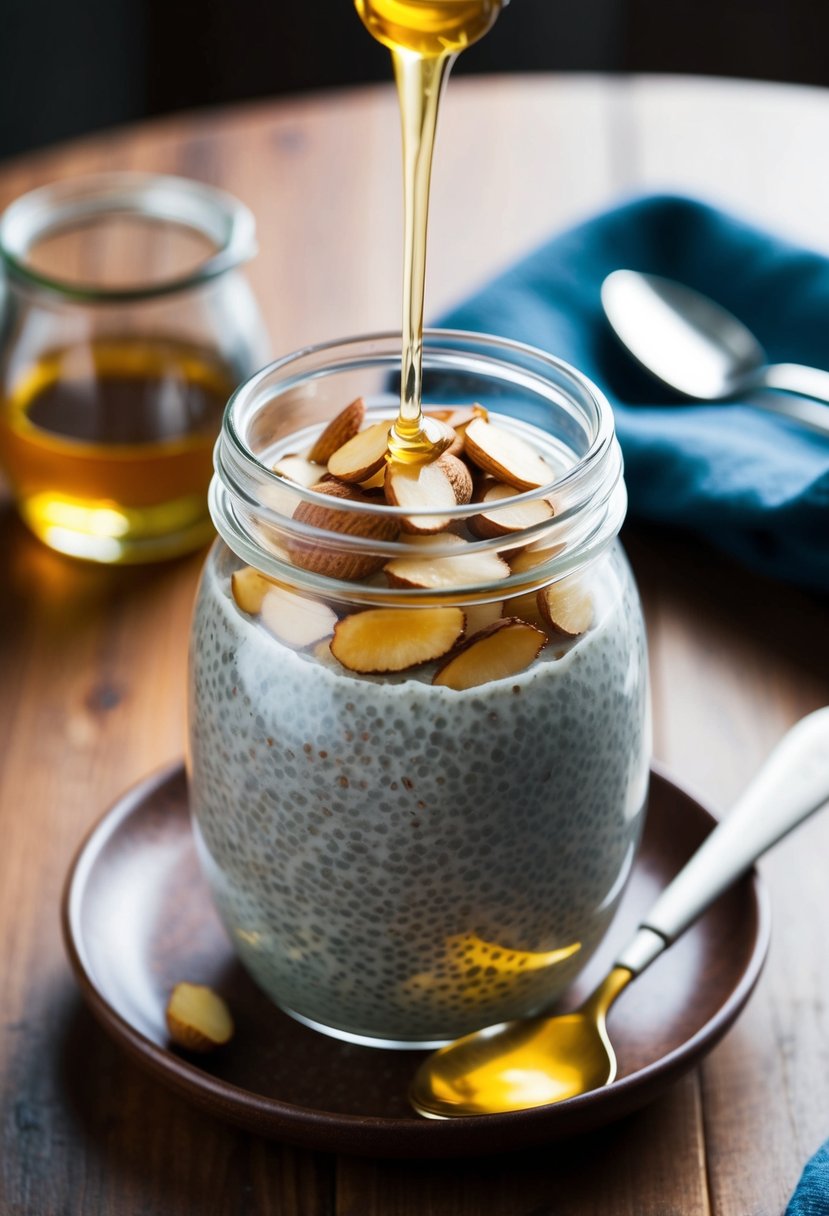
[[792, 784], [796, 378], [810, 413]]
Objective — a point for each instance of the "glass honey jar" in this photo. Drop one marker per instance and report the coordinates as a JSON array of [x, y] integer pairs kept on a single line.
[[126, 324]]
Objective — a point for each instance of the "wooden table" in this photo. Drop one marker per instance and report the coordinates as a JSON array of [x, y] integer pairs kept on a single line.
[[93, 666]]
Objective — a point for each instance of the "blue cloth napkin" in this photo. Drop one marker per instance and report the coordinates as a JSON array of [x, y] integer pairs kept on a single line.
[[753, 484], [811, 1197]]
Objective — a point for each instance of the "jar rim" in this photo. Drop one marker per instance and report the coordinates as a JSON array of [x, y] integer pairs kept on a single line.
[[243, 483], [58, 206]]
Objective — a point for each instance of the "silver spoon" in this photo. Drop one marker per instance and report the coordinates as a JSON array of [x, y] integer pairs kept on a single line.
[[703, 352], [536, 1061]]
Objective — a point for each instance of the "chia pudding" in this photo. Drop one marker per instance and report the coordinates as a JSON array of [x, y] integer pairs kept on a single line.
[[398, 860], [419, 730]]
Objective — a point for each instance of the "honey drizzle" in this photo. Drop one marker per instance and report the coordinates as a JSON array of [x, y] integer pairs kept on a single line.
[[424, 37], [420, 82]]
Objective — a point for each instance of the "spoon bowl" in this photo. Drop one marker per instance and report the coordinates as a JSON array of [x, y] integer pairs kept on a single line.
[[508, 1067], [701, 351], [521, 1064]]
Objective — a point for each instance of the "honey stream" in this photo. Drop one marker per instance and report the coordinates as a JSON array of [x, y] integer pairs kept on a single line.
[[424, 37]]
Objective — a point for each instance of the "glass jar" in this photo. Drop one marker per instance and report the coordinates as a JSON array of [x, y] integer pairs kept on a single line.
[[399, 861], [125, 326]]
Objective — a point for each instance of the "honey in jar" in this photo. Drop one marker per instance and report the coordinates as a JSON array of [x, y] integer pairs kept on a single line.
[[115, 440], [127, 328]]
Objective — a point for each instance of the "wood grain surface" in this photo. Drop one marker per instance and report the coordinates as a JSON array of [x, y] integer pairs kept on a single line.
[[92, 667]]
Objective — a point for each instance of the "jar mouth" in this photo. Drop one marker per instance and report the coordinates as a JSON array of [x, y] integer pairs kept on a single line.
[[225, 225], [252, 505]]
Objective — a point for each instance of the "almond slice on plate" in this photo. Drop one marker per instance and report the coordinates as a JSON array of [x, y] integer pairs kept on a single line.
[[295, 619], [499, 651], [567, 608], [463, 568], [394, 639], [249, 589], [439, 484], [362, 456], [506, 456], [323, 557], [197, 1018], [301, 470], [506, 520], [338, 432]]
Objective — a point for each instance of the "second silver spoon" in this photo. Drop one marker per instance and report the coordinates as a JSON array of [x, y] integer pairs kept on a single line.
[[700, 350]]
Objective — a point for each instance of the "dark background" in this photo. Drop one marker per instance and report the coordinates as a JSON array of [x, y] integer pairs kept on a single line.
[[69, 66]]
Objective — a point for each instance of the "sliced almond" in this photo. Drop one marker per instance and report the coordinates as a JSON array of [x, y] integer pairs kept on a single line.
[[526, 608], [249, 589], [484, 483], [567, 608], [459, 475], [322, 652], [528, 559], [362, 456], [376, 481], [297, 468], [463, 568], [280, 498], [421, 542], [497, 652], [462, 417], [457, 416], [339, 431], [296, 620], [506, 456], [198, 1018], [394, 639], [457, 420], [479, 616], [455, 448], [506, 520], [442, 438], [439, 484], [323, 557], [272, 540]]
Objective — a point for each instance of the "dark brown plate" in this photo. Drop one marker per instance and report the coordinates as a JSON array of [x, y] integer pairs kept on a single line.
[[137, 918]]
